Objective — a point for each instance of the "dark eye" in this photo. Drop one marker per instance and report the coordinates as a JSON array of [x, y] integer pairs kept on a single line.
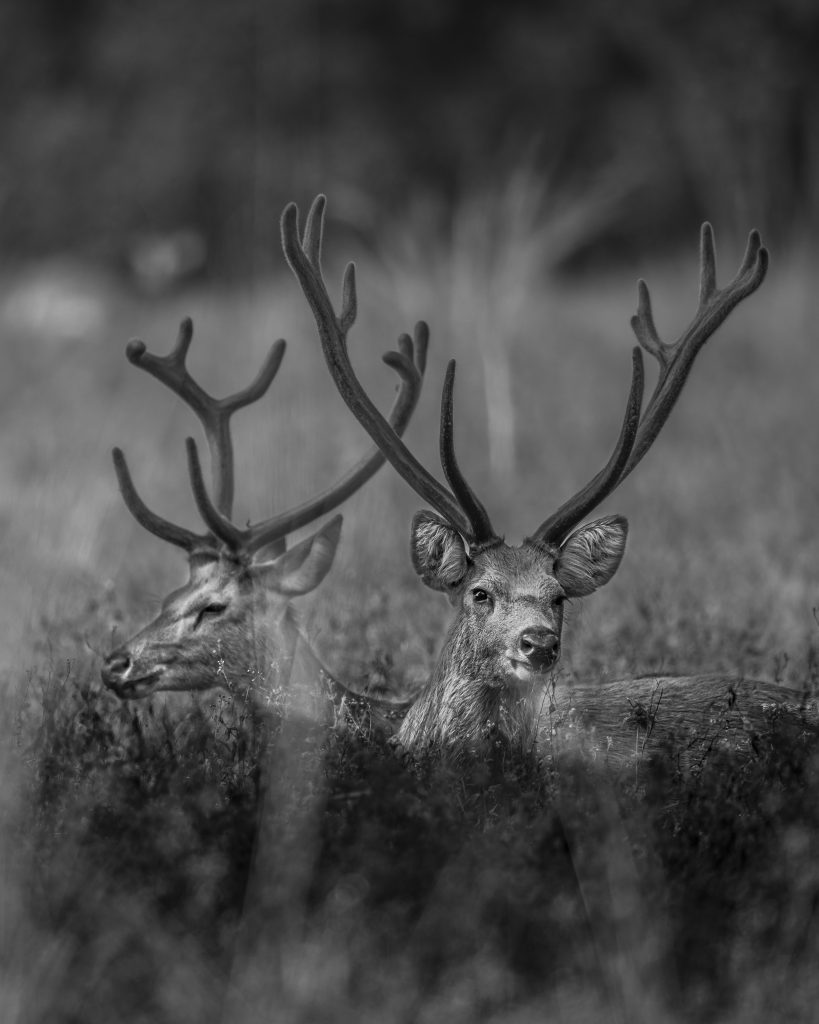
[[559, 600], [480, 596], [209, 609]]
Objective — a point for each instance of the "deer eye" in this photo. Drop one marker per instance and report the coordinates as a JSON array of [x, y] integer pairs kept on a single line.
[[480, 596], [209, 609], [559, 600]]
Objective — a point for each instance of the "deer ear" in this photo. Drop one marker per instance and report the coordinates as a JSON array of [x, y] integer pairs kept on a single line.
[[591, 556], [438, 552], [304, 566]]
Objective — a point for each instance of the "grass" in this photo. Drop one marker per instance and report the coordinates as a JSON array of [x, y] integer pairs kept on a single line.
[[182, 860]]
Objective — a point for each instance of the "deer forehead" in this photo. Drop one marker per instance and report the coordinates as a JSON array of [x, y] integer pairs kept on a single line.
[[516, 573], [217, 579]]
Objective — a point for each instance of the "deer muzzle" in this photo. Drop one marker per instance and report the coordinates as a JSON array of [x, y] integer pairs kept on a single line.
[[538, 648], [118, 675]]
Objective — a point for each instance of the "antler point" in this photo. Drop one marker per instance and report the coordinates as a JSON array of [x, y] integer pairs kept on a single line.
[[135, 350], [289, 229], [643, 298], [421, 335]]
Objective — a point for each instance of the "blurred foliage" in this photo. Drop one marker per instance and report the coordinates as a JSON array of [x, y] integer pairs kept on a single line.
[[171, 870], [120, 119]]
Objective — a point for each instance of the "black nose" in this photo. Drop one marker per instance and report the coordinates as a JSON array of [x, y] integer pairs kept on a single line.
[[115, 667], [539, 646]]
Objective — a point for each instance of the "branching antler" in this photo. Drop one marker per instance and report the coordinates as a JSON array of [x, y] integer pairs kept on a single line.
[[560, 523], [303, 257], [162, 528], [460, 507], [677, 358], [409, 362], [675, 361], [214, 413]]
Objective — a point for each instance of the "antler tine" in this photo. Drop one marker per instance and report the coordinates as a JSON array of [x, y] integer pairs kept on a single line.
[[677, 358], [155, 524], [482, 529], [214, 414], [554, 529], [333, 335], [409, 362], [314, 232], [675, 361], [219, 525], [708, 263]]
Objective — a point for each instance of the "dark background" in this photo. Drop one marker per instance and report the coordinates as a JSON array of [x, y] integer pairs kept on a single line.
[[119, 119]]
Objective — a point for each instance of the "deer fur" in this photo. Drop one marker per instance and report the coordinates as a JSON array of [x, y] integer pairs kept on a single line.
[[485, 686]]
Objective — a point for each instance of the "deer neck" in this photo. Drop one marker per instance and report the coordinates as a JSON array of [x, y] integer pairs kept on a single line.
[[462, 709]]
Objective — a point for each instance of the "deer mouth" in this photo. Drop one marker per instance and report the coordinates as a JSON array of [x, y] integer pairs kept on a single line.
[[130, 689], [526, 672]]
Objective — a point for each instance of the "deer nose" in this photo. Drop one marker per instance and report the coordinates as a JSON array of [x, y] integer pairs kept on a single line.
[[115, 667], [539, 646]]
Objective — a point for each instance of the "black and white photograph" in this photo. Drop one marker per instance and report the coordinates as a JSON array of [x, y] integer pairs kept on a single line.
[[409, 487]]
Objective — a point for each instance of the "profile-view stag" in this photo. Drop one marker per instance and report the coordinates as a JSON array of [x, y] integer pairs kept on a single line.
[[232, 624], [489, 682]]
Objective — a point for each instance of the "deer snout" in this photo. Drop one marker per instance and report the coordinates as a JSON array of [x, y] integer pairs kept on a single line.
[[116, 665], [130, 676], [115, 669], [539, 646]]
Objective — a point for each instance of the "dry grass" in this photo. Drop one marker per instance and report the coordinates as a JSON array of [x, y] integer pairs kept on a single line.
[[379, 893]]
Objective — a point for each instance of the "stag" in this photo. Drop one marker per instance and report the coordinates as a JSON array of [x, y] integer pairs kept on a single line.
[[232, 624], [492, 680]]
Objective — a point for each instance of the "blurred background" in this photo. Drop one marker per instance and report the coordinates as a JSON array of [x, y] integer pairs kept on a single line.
[[198, 119], [504, 171]]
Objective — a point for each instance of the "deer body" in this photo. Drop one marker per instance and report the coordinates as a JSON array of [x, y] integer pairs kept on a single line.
[[621, 724], [492, 684], [492, 677], [493, 680], [496, 660], [232, 624]]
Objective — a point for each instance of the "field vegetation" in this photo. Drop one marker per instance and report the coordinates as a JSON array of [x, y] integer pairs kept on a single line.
[[193, 860]]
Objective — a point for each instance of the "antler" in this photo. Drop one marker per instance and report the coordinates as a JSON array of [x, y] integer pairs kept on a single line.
[[461, 508], [676, 360], [162, 528], [214, 413], [409, 362]]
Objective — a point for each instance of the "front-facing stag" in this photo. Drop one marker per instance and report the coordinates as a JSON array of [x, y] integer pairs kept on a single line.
[[490, 678], [232, 624]]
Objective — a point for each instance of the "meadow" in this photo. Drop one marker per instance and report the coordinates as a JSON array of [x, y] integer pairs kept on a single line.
[[182, 860]]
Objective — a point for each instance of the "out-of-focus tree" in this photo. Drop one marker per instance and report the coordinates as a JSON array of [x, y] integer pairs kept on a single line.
[[118, 119]]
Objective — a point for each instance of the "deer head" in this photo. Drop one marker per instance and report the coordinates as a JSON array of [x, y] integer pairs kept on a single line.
[[233, 622], [506, 635]]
